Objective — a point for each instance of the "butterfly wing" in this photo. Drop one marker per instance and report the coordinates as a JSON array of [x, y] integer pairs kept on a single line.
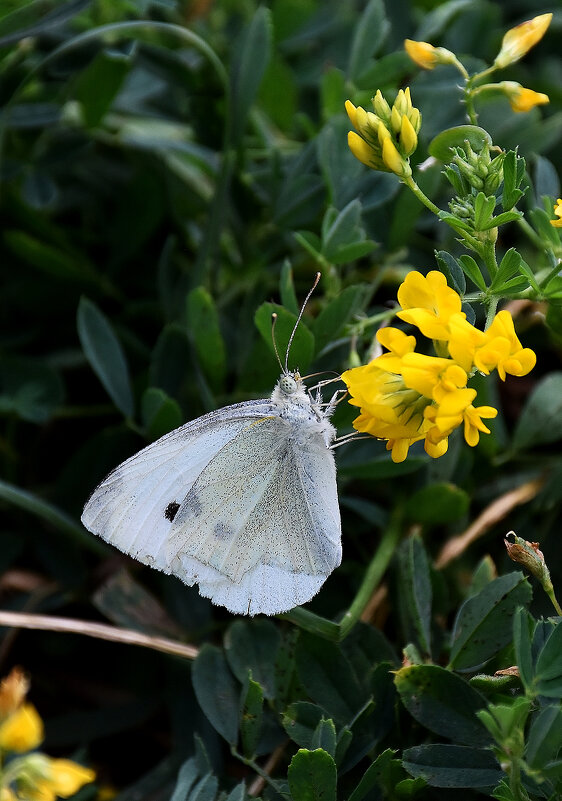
[[133, 508], [259, 529]]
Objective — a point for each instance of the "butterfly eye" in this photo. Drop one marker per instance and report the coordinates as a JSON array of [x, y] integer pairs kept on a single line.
[[288, 384]]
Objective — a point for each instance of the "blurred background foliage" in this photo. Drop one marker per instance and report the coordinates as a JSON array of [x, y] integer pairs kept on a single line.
[[168, 170]]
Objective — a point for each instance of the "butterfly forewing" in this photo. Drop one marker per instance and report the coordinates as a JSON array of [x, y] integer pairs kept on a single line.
[[254, 503], [132, 507]]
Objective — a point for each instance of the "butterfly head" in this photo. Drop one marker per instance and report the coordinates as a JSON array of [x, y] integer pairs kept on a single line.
[[290, 383]]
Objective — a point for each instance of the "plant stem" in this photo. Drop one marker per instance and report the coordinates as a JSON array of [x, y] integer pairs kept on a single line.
[[339, 631], [421, 196], [549, 589], [373, 576], [492, 303]]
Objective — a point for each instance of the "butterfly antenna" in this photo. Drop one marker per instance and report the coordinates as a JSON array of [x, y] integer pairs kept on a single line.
[[294, 331], [273, 324]]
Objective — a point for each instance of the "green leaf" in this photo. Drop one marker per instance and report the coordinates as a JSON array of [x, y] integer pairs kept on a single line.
[[187, 777], [508, 267], [302, 348], [343, 235], [312, 776], [30, 389], [251, 711], [416, 596], [541, 419], [253, 646], [160, 414], [324, 736], [452, 765], [512, 176], [287, 288], [503, 218], [329, 323], [97, 86], [483, 623], [522, 645], [525, 270], [483, 210], [36, 18], [440, 146], [452, 271], [442, 702], [437, 503], [301, 720], [472, 270], [545, 736], [216, 691], [103, 351], [50, 514], [253, 53], [170, 359], [328, 678], [205, 789], [205, 333], [370, 31], [549, 665]]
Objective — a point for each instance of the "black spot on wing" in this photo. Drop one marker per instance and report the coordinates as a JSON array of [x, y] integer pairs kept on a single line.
[[223, 531], [171, 510]]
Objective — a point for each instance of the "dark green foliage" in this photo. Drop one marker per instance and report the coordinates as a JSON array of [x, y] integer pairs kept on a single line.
[[171, 174]]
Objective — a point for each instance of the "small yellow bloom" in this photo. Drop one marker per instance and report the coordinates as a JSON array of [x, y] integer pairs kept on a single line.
[[392, 159], [426, 55], [22, 731], [13, 690], [46, 779], [422, 53], [428, 303], [519, 40], [521, 99], [558, 212], [503, 350]]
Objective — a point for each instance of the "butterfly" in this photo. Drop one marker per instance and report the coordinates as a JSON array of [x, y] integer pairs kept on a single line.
[[242, 501]]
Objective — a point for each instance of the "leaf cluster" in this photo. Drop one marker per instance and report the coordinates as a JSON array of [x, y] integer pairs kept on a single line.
[[171, 174]]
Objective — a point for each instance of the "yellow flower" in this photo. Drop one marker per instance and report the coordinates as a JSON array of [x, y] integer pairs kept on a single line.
[[384, 140], [521, 99], [389, 410], [428, 303], [503, 350], [13, 690], [22, 731], [558, 212], [426, 55], [519, 40], [46, 779]]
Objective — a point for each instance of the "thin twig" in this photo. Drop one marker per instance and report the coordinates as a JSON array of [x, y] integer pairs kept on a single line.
[[491, 515], [100, 631], [259, 782]]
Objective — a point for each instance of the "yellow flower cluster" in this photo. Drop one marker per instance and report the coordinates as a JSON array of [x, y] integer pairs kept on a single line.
[[33, 776], [387, 137], [406, 397]]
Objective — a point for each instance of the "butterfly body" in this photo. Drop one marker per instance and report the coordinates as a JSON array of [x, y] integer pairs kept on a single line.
[[242, 501]]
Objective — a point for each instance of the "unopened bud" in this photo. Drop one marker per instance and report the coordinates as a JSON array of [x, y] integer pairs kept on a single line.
[[527, 554]]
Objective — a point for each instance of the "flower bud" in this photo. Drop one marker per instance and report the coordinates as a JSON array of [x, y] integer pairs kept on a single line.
[[519, 40], [426, 55], [527, 554], [520, 98]]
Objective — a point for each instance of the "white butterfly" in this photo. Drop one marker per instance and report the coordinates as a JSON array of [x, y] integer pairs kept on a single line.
[[242, 501]]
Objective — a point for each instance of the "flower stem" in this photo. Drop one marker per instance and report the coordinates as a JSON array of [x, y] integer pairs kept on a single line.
[[421, 196], [373, 576], [339, 631]]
